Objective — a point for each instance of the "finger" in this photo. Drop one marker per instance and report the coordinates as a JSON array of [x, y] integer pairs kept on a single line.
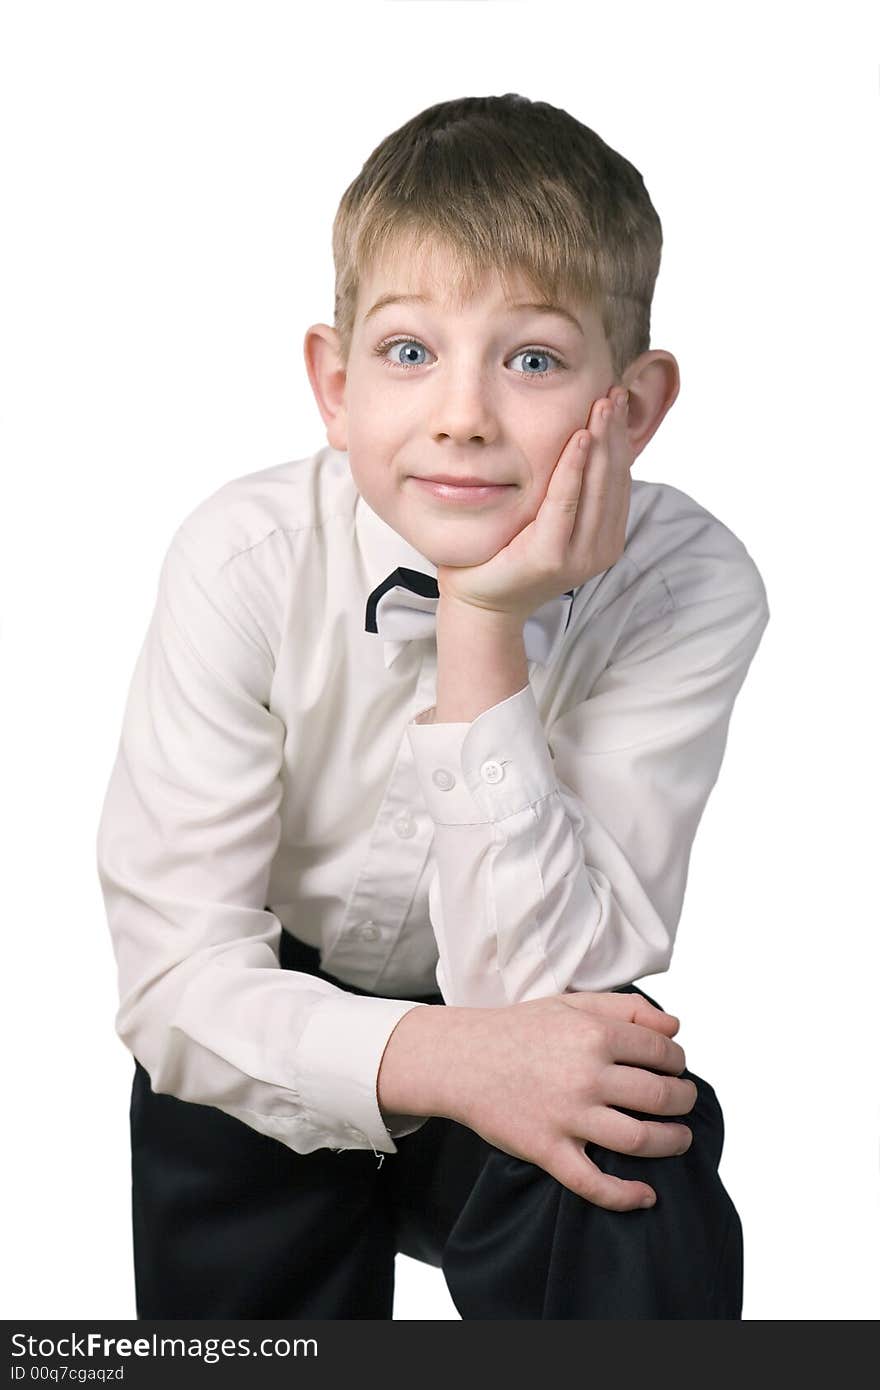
[[557, 515], [626, 1135], [632, 1042], [608, 424], [605, 494], [571, 1166], [627, 1008], [645, 1091], [617, 401], [635, 1045]]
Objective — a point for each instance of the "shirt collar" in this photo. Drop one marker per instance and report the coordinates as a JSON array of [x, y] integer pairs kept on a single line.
[[382, 548]]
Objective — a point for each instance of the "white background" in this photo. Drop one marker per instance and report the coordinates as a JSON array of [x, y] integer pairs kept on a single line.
[[170, 172]]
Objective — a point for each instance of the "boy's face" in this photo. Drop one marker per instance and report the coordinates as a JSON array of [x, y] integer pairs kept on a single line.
[[494, 392]]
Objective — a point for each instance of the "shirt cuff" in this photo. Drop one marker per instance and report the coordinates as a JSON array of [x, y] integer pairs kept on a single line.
[[478, 773], [337, 1068]]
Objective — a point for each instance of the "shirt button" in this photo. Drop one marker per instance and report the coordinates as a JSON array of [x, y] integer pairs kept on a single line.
[[443, 779], [491, 771], [368, 932], [404, 827]]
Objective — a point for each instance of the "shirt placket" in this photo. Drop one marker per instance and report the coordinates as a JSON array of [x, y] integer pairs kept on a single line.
[[398, 847]]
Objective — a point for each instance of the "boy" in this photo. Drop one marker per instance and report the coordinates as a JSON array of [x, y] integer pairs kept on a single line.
[[390, 733]]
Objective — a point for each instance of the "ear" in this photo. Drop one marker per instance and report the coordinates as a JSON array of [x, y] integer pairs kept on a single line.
[[653, 382], [327, 374]]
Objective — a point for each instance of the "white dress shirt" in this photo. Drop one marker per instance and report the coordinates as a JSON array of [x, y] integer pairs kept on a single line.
[[278, 769]]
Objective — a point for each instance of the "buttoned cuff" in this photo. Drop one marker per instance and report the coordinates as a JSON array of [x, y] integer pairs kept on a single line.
[[337, 1068], [477, 773]]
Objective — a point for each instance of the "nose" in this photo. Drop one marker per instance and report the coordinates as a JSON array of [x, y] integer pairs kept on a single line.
[[463, 410]]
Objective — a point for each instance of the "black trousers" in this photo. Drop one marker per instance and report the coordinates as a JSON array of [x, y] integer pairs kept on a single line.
[[229, 1223]]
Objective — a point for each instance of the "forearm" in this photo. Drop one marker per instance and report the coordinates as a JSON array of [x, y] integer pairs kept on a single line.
[[417, 1074], [481, 660]]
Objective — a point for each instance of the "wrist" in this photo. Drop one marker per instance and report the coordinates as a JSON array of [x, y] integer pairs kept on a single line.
[[422, 1061], [455, 611], [481, 660]]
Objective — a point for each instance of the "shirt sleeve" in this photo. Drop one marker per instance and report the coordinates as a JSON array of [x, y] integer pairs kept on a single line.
[[561, 857], [187, 834]]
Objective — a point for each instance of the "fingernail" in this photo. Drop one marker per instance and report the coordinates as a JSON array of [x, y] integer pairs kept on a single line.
[[647, 1201]]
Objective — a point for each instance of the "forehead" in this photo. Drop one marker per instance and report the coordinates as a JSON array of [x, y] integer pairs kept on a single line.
[[430, 274], [431, 270]]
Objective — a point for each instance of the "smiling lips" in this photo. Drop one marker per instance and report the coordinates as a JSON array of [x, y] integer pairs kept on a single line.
[[466, 480], [468, 490]]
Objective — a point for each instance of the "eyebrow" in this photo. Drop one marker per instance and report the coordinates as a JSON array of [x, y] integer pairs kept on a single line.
[[540, 307]]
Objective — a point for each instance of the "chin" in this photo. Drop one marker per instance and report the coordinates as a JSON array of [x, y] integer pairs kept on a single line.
[[464, 541], [457, 555]]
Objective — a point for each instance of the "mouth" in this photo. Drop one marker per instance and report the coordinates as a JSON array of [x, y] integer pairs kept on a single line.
[[471, 491], [461, 480]]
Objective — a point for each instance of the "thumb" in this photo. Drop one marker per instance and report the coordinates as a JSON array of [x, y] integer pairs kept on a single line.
[[572, 1166]]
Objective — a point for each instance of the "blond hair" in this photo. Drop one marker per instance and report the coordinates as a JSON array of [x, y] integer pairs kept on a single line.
[[509, 185]]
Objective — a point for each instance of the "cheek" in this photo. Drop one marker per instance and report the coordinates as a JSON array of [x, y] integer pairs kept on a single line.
[[371, 441], [368, 484], [535, 490], [518, 517]]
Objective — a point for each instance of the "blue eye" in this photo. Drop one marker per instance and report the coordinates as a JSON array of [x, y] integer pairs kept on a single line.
[[537, 353], [382, 349], [395, 342]]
